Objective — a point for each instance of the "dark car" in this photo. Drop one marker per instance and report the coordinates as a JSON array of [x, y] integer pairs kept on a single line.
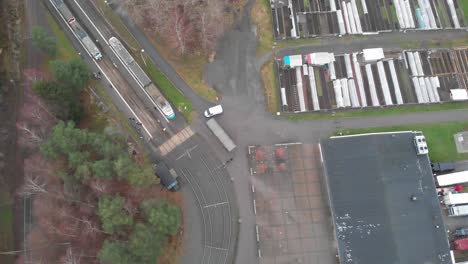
[[168, 179], [463, 231], [441, 167]]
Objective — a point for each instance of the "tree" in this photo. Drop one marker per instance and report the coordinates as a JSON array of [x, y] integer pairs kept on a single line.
[[112, 215], [102, 169], [44, 41], [114, 252], [142, 177], [77, 158], [74, 73], [146, 244], [163, 216], [123, 166]]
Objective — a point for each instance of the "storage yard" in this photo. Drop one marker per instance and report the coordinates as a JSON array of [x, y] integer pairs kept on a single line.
[[313, 18], [372, 78]]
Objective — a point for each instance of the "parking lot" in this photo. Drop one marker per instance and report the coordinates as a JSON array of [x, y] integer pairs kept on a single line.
[[343, 81], [313, 18], [292, 215]]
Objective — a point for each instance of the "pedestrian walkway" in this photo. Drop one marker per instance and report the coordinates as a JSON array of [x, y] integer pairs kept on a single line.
[[176, 140]]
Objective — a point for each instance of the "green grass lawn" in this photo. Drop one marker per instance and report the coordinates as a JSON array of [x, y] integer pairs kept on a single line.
[[464, 5], [378, 111], [439, 137]]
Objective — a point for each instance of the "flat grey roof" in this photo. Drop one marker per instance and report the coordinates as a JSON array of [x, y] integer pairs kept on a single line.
[[371, 179]]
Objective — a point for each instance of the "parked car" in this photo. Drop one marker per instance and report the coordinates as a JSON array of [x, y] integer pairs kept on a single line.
[[461, 244], [462, 231], [168, 176], [214, 110], [441, 167]]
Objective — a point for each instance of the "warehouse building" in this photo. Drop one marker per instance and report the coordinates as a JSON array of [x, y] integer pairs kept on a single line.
[[383, 200]]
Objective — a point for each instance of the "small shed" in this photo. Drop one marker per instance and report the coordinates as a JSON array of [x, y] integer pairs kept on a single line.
[[373, 54], [320, 58], [293, 60]]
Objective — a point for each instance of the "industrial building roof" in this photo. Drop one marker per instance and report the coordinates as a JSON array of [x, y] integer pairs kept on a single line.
[[383, 200]]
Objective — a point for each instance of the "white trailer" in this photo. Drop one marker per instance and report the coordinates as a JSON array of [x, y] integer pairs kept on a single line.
[[345, 89], [424, 93], [412, 63], [452, 178], [332, 5], [284, 101], [293, 20], [410, 13], [384, 83], [353, 93], [430, 13], [357, 69], [331, 70], [396, 85], [453, 12], [364, 7], [460, 210], [456, 198], [435, 84], [356, 16], [418, 61], [346, 17], [399, 14], [424, 14], [313, 89], [338, 93], [352, 21], [417, 89], [430, 91], [341, 23], [219, 132], [405, 15], [349, 67], [300, 90], [373, 91]]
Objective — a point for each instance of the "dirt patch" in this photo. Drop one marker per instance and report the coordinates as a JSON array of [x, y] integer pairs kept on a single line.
[[261, 17], [269, 82]]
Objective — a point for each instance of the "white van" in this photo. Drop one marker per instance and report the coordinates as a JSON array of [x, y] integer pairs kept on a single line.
[[212, 111]]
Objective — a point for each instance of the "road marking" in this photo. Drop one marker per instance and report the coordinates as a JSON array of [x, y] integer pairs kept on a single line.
[[214, 205], [225, 249], [99, 67], [187, 152]]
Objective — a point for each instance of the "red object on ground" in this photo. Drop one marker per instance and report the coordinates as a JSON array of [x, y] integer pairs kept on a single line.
[[282, 167], [458, 188], [280, 153], [461, 244], [261, 168], [259, 154]]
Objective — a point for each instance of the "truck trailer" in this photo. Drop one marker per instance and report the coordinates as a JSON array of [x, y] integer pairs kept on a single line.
[[452, 178], [456, 198], [460, 210]]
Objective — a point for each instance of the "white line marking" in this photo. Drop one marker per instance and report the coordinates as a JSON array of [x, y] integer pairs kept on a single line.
[[255, 207], [187, 152], [214, 205], [225, 249]]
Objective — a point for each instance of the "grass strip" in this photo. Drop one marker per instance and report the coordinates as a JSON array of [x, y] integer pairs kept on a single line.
[[439, 137]]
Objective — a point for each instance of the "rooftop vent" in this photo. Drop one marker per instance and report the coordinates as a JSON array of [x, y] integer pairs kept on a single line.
[[421, 145]]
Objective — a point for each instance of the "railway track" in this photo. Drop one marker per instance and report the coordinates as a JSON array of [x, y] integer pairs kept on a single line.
[[215, 206]]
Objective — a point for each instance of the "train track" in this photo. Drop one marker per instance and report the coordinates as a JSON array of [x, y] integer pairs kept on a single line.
[[215, 206]]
